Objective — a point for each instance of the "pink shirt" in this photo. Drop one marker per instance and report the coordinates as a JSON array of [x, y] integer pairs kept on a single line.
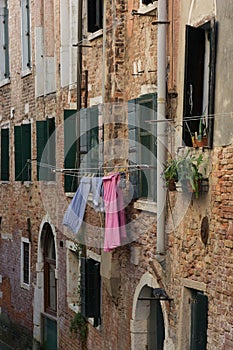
[[114, 212]]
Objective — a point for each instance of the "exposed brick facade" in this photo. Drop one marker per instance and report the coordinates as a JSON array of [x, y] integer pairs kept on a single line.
[[121, 65]]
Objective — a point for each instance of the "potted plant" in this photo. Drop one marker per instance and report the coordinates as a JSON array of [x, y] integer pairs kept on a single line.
[[170, 174], [200, 137], [187, 170]]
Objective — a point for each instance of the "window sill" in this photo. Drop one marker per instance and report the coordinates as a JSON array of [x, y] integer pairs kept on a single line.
[[5, 82], [25, 286], [75, 308], [26, 72], [146, 205], [70, 194], [95, 35], [5, 182], [147, 8]]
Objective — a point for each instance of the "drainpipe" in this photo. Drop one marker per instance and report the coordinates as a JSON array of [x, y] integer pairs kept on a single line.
[[161, 128], [79, 65]]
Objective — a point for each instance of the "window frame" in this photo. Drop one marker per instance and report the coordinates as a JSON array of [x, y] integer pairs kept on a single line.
[[91, 289], [4, 51], [48, 263], [25, 284], [95, 16], [26, 36], [77, 147], [137, 131], [197, 39]]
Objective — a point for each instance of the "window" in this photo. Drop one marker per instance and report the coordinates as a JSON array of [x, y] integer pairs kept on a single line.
[[25, 262], [25, 34], [142, 147], [46, 149], [50, 283], [22, 152], [147, 2], [4, 40], [73, 276], [80, 150], [199, 79], [199, 320], [94, 15], [90, 289], [5, 154]]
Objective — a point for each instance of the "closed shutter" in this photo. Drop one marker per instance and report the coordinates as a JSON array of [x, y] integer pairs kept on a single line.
[[4, 154], [90, 289], [22, 152], [26, 152], [93, 139], [133, 135], [46, 149], [199, 321], [41, 140], [18, 153], [25, 13], [6, 42], [193, 80], [51, 147], [70, 148]]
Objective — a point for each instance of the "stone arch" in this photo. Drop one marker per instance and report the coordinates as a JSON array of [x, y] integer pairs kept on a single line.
[[141, 315], [38, 308]]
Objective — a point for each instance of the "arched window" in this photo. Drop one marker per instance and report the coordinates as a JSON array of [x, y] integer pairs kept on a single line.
[[50, 283]]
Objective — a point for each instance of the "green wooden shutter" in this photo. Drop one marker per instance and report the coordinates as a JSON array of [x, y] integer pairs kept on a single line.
[[41, 140], [199, 321], [93, 138], [70, 148], [133, 135], [83, 139], [18, 153], [26, 148], [90, 289], [5, 154], [52, 147]]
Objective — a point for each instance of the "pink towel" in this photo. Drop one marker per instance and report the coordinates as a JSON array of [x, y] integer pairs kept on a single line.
[[114, 212]]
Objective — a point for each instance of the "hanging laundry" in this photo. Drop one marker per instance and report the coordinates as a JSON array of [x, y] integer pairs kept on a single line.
[[73, 217], [97, 193], [115, 221]]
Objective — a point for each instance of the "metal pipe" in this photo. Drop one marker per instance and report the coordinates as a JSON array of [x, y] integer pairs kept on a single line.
[[79, 77], [161, 127]]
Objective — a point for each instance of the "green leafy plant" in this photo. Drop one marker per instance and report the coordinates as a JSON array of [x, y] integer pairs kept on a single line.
[[187, 169], [170, 173], [78, 324]]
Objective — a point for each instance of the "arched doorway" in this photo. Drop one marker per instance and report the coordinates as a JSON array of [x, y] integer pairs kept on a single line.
[[45, 299], [149, 323], [149, 330], [49, 316]]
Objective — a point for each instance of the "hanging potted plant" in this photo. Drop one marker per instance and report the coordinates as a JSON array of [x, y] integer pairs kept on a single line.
[[187, 170], [190, 174], [200, 137], [170, 174]]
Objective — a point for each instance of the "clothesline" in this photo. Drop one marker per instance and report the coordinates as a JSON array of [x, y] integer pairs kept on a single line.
[[130, 167]]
